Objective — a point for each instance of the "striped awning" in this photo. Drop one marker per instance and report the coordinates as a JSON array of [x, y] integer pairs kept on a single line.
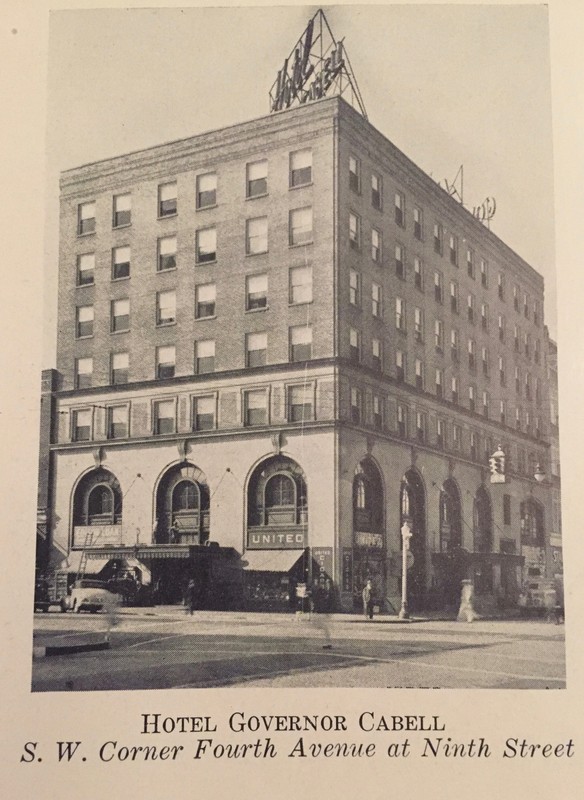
[[271, 560], [143, 553]]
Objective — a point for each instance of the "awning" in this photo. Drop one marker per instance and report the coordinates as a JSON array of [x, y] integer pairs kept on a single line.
[[271, 560], [141, 553]]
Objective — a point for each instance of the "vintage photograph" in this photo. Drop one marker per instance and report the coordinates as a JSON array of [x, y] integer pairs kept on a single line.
[[299, 397]]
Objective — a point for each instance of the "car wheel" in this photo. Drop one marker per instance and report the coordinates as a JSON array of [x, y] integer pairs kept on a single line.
[[63, 606]]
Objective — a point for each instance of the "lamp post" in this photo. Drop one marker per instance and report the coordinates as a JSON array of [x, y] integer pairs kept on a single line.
[[539, 474], [406, 533]]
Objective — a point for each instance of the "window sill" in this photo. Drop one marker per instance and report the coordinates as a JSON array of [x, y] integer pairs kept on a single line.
[[256, 310], [117, 333], [87, 336], [257, 196], [84, 285], [168, 269], [166, 324], [206, 208], [259, 253], [87, 233], [202, 319], [123, 278], [300, 186], [118, 227], [168, 216], [301, 244], [205, 263]]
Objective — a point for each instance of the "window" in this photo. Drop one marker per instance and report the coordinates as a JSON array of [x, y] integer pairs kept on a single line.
[[516, 297], [120, 263], [356, 405], [501, 324], [537, 390], [256, 236], [301, 225], [400, 314], [400, 209], [517, 381], [484, 316], [301, 285], [502, 371], [376, 191], [471, 354], [205, 356], [525, 305], [418, 325], [485, 361], [300, 168], [528, 386], [354, 174], [454, 389], [454, 297], [376, 300], [377, 409], [439, 383], [206, 190], [484, 273], [418, 274], [474, 445], [354, 231], [438, 238], [165, 361], [117, 422], [85, 269], [355, 345], [167, 253], [81, 430], [418, 223], [256, 407], [120, 316], [454, 345], [301, 343], [206, 245], [402, 420], [527, 344], [354, 288], [536, 312], [419, 374], [300, 403], [470, 303], [516, 343], [441, 433], [376, 356], [470, 267], [376, 245], [83, 373], [204, 413], [164, 416], [502, 412], [438, 335], [120, 363], [256, 345], [256, 179], [485, 404], [421, 426], [471, 398], [506, 509], [438, 290], [166, 307], [400, 259], [501, 286], [86, 218], [400, 366], [256, 293], [167, 199], [122, 212], [537, 353], [453, 249], [456, 437], [205, 300], [84, 321]]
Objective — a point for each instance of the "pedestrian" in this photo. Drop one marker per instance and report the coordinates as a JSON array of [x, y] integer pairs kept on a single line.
[[190, 597], [368, 600], [174, 532]]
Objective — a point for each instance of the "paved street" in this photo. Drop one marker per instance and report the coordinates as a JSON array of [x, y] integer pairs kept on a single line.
[[165, 648]]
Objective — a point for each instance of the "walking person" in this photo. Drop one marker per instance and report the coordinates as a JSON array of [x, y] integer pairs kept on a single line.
[[368, 600], [190, 597]]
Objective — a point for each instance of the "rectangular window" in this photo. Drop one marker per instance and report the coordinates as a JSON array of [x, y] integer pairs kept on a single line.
[[205, 356], [355, 345], [376, 300], [502, 412], [204, 413], [516, 342], [84, 321], [501, 326], [301, 343], [456, 437], [453, 249], [454, 345], [256, 346], [376, 191], [501, 371], [256, 236], [300, 168], [354, 174], [485, 361], [484, 273], [527, 344], [120, 363], [164, 416], [418, 325], [120, 315], [501, 286], [506, 509], [418, 223], [484, 316], [122, 211], [85, 218], [454, 297], [81, 430], [256, 407], [354, 288], [377, 409], [441, 433], [421, 426], [117, 422], [516, 297], [166, 307], [256, 292], [439, 382], [525, 305], [470, 304], [528, 386], [438, 238], [418, 274], [400, 314], [471, 355], [167, 253], [400, 366], [438, 290], [537, 352], [470, 267], [439, 335], [165, 361], [474, 446], [536, 312], [400, 209], [400, 261], [354, 231], [120, 263], [300, 285], [517, 381], [167, 199], [300, 403], [402, 420], [83, 373], [205, 300], [376, 245], [376, 356], [485, 404], [356, 405], [471, 398], [206, 245], [85, 269], [420, 374], [301, 226], [257, 179], [206, 190]]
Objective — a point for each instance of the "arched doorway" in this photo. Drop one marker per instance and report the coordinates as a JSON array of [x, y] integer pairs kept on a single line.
[[413, 510], [369, 547], [483, 541], [182, 506], [532, 540], [454, 567]]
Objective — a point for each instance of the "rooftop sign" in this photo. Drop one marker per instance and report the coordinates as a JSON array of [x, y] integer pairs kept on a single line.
[[318, 66]]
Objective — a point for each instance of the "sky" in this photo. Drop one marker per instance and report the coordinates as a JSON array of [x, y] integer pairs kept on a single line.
[[449, 85]]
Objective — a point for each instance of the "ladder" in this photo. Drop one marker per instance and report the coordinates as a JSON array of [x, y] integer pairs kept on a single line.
[[84, 556]]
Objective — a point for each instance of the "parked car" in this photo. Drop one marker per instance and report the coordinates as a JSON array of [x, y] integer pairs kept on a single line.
[[91, 595]]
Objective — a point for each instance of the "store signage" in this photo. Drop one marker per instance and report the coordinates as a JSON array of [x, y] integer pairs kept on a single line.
[[366, 539], [323, 556], [347, 569], [275, 540]]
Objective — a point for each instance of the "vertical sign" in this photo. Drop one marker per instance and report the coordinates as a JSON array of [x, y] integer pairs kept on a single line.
[[323, 556], [347, 569]]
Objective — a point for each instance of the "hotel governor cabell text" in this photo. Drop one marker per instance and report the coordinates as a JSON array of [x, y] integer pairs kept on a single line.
[[364, 735]]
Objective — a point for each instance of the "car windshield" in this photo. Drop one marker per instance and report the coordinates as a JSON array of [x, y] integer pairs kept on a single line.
[[85, 584]]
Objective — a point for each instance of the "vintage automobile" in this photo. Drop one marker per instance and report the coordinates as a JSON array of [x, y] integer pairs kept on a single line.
[[91, 595]]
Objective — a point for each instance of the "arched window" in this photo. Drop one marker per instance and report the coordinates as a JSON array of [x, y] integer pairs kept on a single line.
[[280, 491], [367, 498], [185, 497], [100, 505], [97, 499], [360, 500], [532, 524], [182, 506], [277, 494], [450, 517], [483, 522]]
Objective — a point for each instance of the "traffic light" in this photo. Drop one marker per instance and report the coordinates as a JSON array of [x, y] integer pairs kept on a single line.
[[497, 466]]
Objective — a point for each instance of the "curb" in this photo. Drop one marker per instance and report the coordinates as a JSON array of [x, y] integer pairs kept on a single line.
[[69, 649]]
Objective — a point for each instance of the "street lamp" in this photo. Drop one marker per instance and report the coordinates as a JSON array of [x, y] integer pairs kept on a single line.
[[539, 474], [406, 533]]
